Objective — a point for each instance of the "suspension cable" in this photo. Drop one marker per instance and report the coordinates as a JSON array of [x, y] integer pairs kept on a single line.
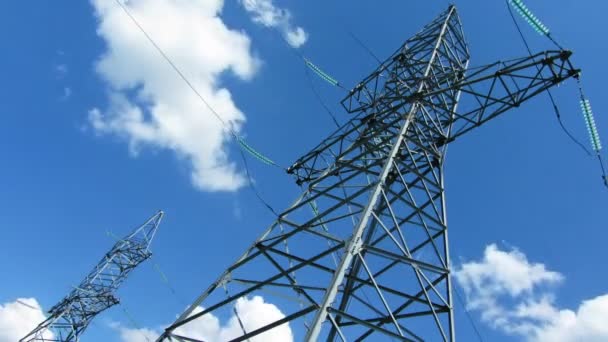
[[551, 98]]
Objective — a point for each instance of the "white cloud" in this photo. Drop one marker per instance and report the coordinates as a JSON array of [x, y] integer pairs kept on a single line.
[[501, 272], [67, 93], [149, 105], [19, 318], [587, 324], [514, 296], [135, 335], [61, 70], [296, 37], [265, 13], [254, 313]]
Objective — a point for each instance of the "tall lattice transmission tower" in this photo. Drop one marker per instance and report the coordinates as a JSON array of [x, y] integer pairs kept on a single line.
[[69, 318], [363, 252]]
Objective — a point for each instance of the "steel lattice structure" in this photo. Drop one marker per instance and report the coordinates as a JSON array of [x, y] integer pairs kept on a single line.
[[69, 318], [363, 252]]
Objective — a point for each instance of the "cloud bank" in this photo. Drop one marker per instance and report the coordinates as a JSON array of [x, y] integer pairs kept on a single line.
[[150, 106], [518, 298], [19, 318], [264, 12], [253, 313]]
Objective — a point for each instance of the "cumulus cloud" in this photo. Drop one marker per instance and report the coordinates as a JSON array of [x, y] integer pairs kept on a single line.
[[588, 323], [264, 12], [501, 273], [253, 313], [518, 298], [135, 335], [20, 317], [149, 105]]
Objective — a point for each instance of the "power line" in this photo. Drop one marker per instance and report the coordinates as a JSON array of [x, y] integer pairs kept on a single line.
[[555, 108], [604, 177], [361, 183], [534, 22], [133, 322], [240, 141], [173, 66], [310, 65], [307, 68], [177, 70], [468, 313], [167, 283], [27, 305], [254, 188], [593, 134], [320, 99], [364, 46]]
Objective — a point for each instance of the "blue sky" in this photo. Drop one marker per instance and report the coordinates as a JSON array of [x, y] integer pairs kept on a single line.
[[518, 182]]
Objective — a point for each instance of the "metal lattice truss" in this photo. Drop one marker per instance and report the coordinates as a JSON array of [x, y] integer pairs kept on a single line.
[[69, 318], [363, 252]]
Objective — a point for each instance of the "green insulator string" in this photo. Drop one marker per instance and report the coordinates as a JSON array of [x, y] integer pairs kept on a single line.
[[533, 21], [585, 105], [590, 123], [548, 91], [182, 76], [247, 148], [321, 73], [594, 135], [523, 10]]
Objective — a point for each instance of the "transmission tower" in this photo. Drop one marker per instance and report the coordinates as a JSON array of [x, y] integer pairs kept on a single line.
[[363, 252], [69, 318]]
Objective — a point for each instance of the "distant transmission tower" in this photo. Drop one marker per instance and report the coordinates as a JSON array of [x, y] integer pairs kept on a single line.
[[363, 252], [69, 318]]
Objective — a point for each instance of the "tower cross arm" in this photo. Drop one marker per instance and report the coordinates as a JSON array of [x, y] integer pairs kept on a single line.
[[486, 92], [493, 89]]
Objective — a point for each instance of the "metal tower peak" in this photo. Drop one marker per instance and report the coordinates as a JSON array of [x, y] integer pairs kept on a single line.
[[69, 318], [146, 232]]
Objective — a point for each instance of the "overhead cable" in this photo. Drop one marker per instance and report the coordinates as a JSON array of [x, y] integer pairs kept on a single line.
[[177, 70], [551, 98]]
